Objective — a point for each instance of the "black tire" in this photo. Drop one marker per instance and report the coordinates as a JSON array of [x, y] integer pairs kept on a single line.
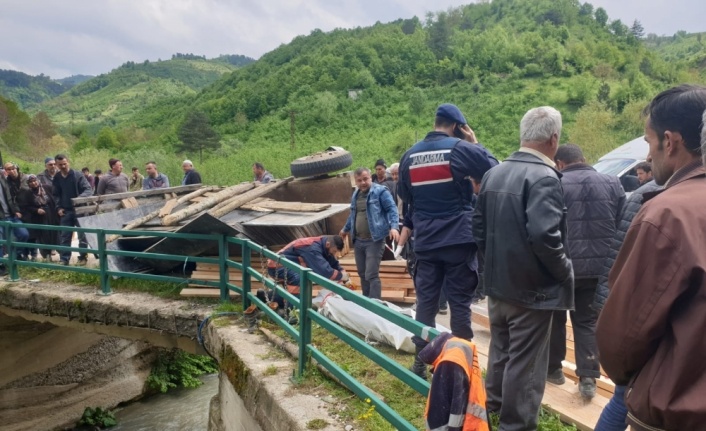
[[331, 160]]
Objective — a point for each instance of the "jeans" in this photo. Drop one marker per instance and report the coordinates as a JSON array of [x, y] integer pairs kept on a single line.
[[452, 267], [517, 363], [583, 321], [368, 255], [69, 219], [615, 413], [21, 235]]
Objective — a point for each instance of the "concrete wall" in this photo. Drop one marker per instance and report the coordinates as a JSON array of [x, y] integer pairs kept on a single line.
[[232, 414]]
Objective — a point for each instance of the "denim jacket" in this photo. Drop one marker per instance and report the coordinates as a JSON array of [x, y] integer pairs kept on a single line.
[[382, 213]]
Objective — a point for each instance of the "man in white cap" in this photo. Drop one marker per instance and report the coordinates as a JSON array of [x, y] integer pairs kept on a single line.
[[191, 176]]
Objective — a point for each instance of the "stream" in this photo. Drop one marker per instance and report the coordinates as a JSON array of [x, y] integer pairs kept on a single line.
[[177, 410]]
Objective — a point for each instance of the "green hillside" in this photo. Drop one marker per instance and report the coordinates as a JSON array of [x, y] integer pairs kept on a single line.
[[28, 90], [114, 98], [683, 47], [495, 60], [373, 90]]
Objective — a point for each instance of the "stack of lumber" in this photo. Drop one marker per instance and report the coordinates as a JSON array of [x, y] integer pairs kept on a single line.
[[396, 283]]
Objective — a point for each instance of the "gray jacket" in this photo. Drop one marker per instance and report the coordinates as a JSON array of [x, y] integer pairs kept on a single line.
[[593, 201], [520, 226], [630, 209]]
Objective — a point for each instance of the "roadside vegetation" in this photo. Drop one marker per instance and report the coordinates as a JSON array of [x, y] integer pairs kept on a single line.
[[372, 90], [177, 369]]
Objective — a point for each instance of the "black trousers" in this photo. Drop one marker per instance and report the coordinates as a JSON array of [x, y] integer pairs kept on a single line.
[[452, 267], [583, 321]]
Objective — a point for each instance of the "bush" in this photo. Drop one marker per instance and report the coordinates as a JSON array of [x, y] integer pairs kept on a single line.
[[175, 368], [97, 417]]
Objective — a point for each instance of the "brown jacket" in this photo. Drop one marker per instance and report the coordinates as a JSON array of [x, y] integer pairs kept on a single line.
[[651, 333]]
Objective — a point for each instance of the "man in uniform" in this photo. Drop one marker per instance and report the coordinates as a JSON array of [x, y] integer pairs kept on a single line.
[[434, 183]]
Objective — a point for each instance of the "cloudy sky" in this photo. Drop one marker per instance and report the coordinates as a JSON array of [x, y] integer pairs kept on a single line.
[[65, 37]]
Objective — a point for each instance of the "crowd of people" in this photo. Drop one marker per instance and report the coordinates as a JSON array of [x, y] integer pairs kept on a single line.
[[556, 237], [46, 198]]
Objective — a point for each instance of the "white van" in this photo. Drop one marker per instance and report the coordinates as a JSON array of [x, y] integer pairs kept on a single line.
[[622, 161]]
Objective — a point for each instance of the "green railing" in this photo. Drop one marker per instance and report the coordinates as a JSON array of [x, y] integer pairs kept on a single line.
[[301, 333]]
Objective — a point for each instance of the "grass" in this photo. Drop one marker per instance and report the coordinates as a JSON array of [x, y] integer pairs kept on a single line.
[[316, 424], [271, 370], [400, 397], [156, 288]]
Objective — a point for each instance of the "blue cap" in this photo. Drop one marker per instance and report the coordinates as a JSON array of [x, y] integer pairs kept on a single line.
[[451, 112], [48, 159]]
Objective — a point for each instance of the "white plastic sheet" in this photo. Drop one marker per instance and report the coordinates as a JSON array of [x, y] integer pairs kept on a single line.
[[367, 323]]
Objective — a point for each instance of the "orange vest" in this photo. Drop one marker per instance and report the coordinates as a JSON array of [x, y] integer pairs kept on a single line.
[[463, 353]]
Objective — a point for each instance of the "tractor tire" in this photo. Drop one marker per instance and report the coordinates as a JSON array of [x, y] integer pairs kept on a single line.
[[331, 160]]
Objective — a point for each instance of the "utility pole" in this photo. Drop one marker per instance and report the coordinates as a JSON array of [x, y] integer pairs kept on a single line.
[[292, 131]]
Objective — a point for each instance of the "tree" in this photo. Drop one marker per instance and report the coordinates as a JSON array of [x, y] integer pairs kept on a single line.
[[439, 35], [417, 102], [410, 25], [603, 93], [601, 17], [586, 9], [40, 133], [618, 28], [83, 143], [637, 29], [107, 139], [195, 133]]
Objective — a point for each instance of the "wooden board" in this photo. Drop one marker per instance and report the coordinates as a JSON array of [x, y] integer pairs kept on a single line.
[[130, 202], [288, 206]]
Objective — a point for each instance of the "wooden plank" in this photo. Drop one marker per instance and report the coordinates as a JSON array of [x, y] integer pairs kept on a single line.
[[201, 292], [130, 202], [290, 206], [168, 207], [138, 193]]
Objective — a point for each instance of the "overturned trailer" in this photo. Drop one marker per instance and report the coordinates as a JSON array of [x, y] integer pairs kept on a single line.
[[271, 215]]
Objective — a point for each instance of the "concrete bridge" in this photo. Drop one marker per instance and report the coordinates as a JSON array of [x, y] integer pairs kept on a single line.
[[66, 348]]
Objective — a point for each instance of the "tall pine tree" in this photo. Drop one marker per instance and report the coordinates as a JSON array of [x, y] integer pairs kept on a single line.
[[196, 133]]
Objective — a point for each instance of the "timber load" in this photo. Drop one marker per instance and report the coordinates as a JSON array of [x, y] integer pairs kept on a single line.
[[397, 285], [267, 214]]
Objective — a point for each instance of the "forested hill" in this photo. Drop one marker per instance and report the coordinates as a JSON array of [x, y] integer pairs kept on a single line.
[[113, 98], [374, 90], [28, 90]]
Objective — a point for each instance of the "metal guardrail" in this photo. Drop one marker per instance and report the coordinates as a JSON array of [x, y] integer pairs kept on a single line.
[[307, 315]]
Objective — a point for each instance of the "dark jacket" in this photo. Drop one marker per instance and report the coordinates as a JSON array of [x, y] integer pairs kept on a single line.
[[15, 185], [73, 186], [30, 202], [593, 201], [191, 177], [311, 253], [434, 183], [520, 226], [631, 207], [45, 179], [11, 204], [650, 334]]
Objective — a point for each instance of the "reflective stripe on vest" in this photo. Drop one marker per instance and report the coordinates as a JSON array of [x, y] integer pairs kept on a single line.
[[463, 353]]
